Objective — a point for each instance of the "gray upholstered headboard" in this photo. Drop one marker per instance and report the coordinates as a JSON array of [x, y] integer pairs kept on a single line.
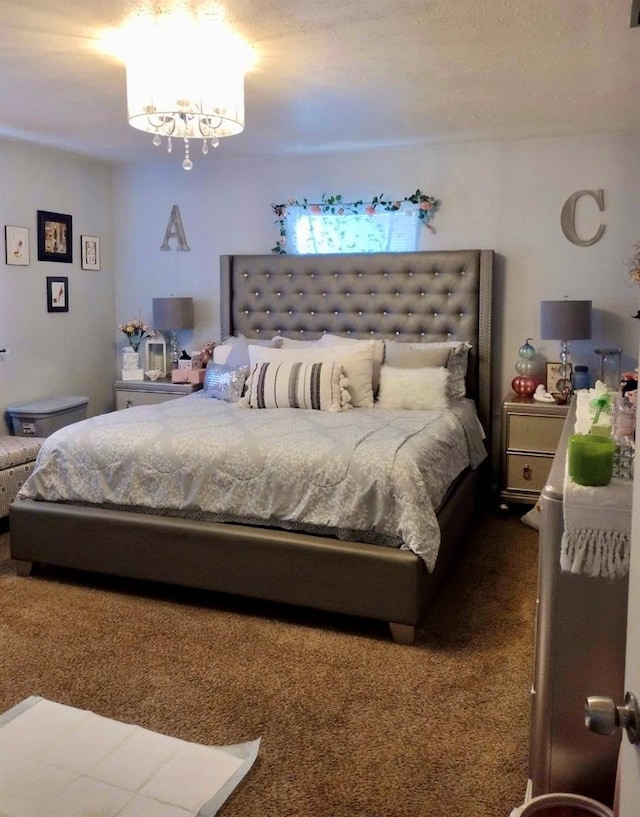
[[417, 296]]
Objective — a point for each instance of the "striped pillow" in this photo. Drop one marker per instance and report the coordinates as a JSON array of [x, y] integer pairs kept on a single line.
[[297, 385]]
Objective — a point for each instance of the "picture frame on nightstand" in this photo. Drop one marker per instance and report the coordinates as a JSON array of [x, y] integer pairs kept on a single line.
[[554, 373]]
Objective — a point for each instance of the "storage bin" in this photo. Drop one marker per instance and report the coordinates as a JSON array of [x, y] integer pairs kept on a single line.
[[42, 417], [562, 805]]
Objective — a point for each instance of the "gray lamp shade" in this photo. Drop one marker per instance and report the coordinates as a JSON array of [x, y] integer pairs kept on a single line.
[[173, 313], [565, 320]]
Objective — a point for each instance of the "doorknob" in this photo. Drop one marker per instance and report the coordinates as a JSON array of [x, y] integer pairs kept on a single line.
[[601, 715]]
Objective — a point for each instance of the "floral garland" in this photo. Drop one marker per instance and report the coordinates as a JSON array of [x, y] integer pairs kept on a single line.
[[335, 206]]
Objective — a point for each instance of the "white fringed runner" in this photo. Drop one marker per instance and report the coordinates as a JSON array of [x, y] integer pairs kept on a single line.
[[597, 528], [64, 762]]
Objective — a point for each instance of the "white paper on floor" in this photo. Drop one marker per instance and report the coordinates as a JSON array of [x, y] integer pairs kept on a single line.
[[66, 762]]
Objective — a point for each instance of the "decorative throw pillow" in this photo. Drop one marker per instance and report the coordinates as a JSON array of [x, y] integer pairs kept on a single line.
[[297, 385], [224, 382], [356, 362], [234, 351], [453, 355], [424, 388], [329, 341], [295, 343]]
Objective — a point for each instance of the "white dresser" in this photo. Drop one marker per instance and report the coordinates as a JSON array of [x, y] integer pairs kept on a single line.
[[579, 651]]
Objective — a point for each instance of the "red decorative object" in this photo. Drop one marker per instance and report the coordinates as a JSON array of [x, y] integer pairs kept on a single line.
[[524, 384]]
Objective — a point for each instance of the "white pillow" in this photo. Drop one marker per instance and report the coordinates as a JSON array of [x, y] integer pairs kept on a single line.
[[294, 343], [329, 341], [234, 351], [310, 385], [356, 362], [424, 388], [452, 354]]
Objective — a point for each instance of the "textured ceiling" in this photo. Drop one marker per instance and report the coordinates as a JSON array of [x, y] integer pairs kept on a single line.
[[341, 74]]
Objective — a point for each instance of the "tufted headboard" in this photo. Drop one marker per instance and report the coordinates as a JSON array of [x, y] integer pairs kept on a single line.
[[414, 296]]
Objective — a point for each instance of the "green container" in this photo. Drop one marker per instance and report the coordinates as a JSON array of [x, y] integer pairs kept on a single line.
[[590, 459]]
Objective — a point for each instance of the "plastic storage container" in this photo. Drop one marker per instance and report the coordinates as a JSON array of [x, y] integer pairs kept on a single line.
[[42, 417], [562, 805]]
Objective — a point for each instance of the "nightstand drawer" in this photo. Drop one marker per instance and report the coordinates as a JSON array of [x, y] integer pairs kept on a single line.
[[129, 399], [131, 393], [534, 433], [527, 472]]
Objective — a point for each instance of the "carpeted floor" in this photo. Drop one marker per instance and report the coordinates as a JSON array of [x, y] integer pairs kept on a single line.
[[351, 724]]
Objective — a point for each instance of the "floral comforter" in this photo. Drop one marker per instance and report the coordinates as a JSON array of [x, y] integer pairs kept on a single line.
[[367, 474]]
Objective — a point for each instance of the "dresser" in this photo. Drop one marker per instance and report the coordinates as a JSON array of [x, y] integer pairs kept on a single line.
[[129, 393], [529, 431], [579, 651]]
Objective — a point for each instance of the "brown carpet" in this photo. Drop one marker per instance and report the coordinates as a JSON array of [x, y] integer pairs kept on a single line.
[[351, 724]]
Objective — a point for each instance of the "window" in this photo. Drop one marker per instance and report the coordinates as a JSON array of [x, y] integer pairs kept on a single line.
[[336, 226]]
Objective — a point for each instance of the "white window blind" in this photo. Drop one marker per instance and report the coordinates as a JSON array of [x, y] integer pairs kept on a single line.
[[381, 232], [334, 226]]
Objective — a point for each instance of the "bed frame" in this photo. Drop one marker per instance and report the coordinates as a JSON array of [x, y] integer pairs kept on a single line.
[[422, 296]]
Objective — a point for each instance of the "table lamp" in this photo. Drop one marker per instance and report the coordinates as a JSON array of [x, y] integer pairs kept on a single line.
[[172, 314], [564, 321]]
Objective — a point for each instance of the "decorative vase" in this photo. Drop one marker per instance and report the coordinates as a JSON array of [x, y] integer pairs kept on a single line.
[[525, 383], [131, 369], [130, 358]]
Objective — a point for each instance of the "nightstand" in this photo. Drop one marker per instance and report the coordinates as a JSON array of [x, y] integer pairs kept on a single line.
[[529, 435], [131, 393]]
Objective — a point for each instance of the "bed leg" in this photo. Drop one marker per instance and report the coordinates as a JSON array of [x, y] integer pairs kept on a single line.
[[23, 568], [403, 633]]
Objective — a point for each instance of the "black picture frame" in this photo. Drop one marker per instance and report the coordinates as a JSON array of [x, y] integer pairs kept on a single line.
[[55, 237], [57, 293]]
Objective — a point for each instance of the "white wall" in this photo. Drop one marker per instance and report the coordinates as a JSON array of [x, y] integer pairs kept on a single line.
[[70, 353], [505, 196]]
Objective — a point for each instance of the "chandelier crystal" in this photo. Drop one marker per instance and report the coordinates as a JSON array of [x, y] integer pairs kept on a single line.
[[185, 80]]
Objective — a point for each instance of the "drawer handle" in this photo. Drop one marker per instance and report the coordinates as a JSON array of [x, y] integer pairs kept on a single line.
[[527, 473]]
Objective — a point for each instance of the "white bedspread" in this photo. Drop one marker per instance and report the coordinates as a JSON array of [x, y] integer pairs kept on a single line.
[[377, 472]]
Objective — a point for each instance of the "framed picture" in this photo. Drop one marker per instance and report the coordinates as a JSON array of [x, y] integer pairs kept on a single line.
[[89, 252], [57, 294], [54, 237], [554, 373], [16, 245]]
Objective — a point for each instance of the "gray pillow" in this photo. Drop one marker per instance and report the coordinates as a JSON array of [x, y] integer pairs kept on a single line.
[[224, 382]]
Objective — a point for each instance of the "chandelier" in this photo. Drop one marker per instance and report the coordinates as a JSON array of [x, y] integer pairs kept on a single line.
[[185, 79]]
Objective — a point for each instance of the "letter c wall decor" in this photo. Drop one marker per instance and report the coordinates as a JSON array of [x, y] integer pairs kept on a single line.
[[568, 217]]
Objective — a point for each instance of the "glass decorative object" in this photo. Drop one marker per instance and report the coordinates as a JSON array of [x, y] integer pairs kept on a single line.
[[525, 383], [624, 429], [610, 371], [590, 459], [581, 378]]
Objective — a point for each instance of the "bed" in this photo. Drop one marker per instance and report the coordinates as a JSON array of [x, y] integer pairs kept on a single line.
[[416, 297]]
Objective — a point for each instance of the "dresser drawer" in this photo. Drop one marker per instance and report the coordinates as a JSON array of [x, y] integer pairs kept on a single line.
[[527, 472], [528, 432]]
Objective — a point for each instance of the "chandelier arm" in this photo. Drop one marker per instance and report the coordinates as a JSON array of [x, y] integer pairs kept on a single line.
[[163, 124]]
